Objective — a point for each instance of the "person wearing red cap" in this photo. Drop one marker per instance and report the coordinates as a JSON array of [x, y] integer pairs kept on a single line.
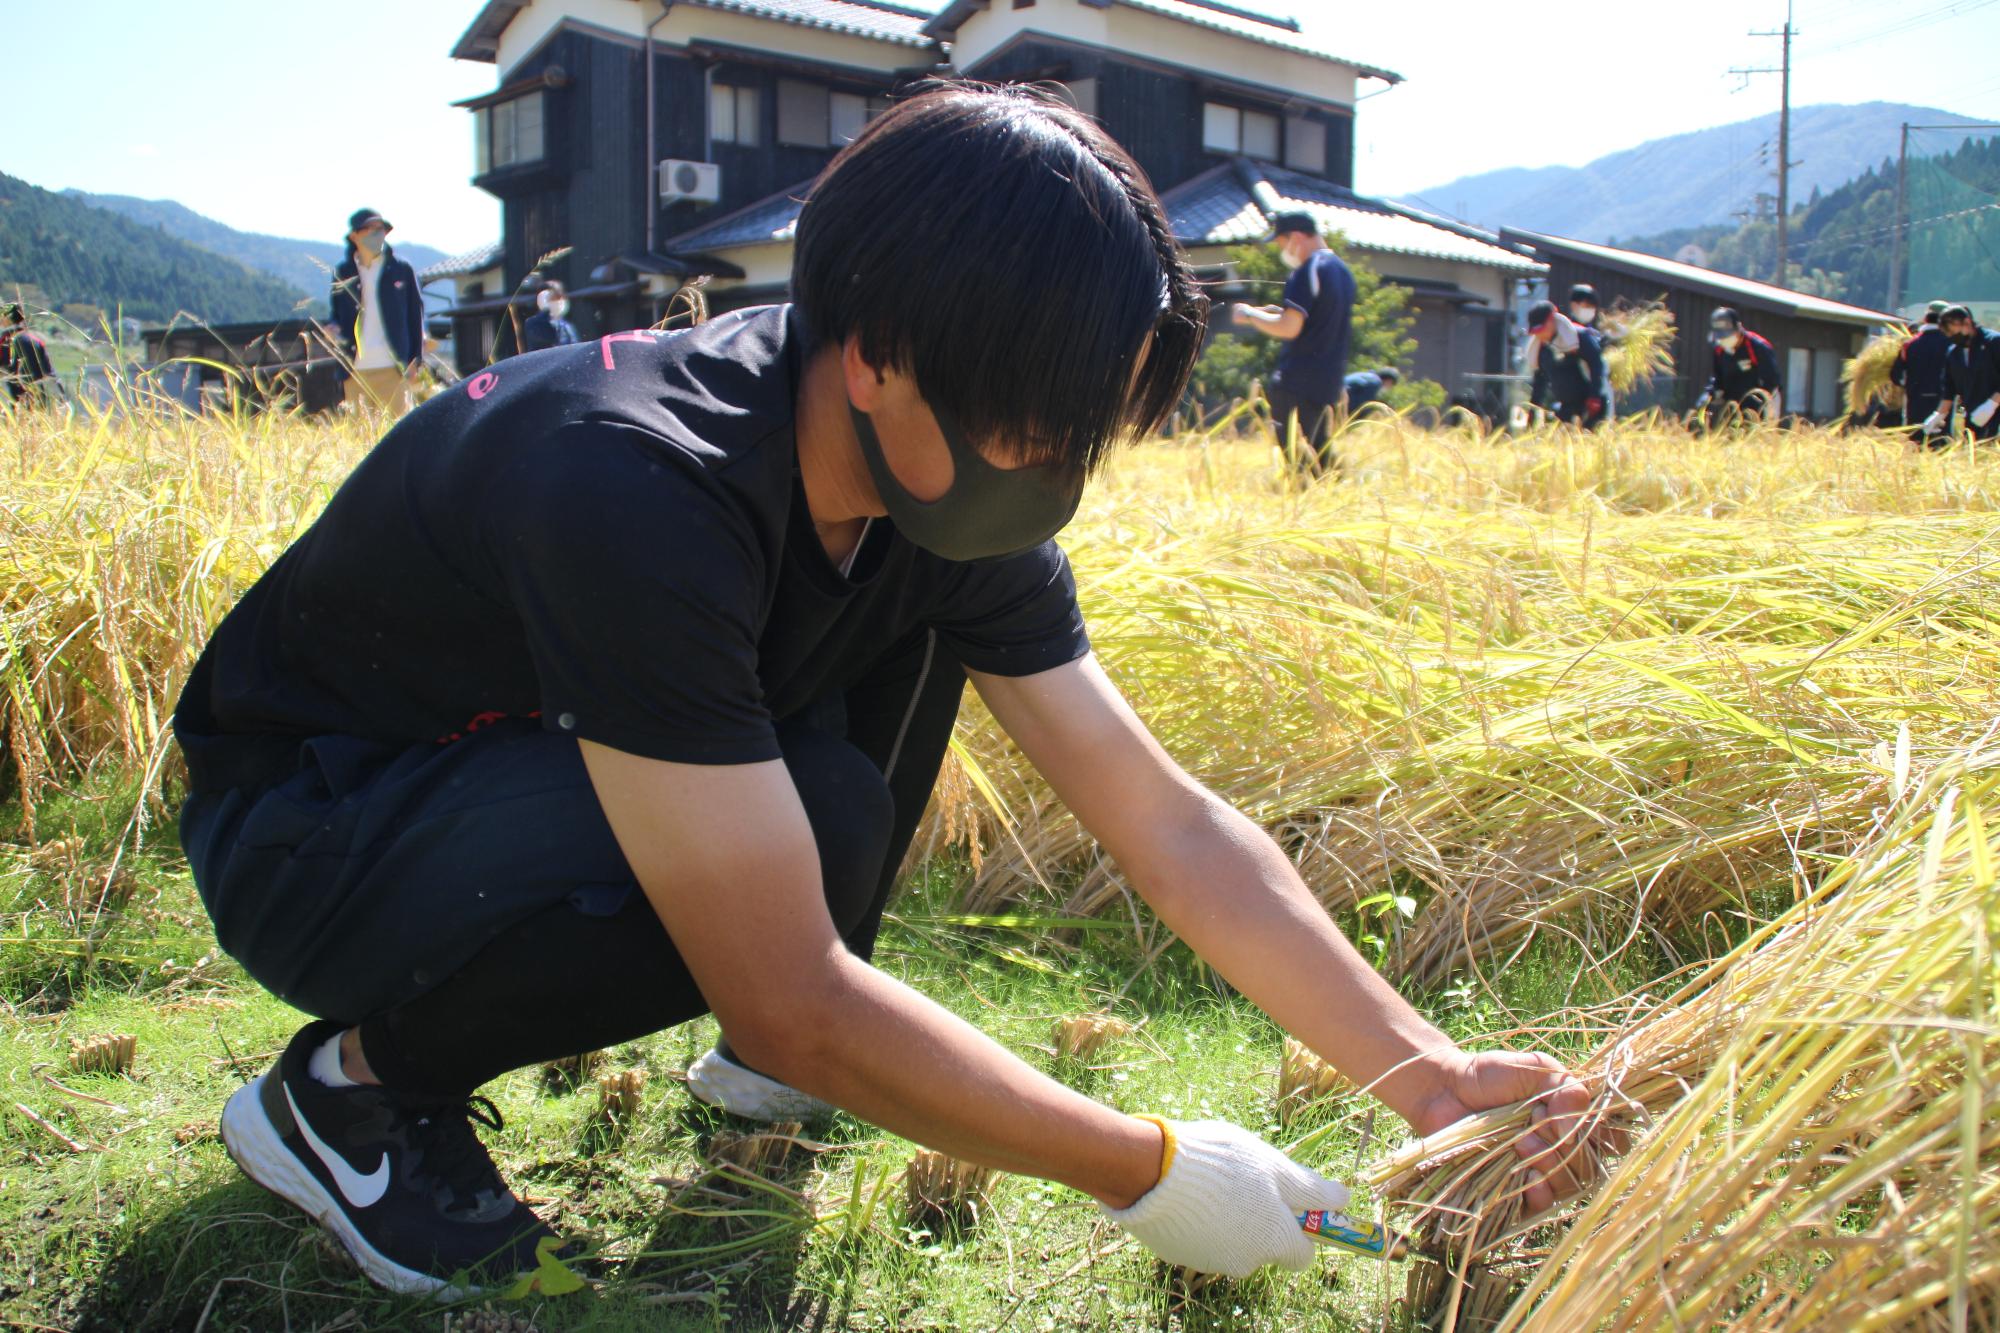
[[378, 316], [1569, 382]]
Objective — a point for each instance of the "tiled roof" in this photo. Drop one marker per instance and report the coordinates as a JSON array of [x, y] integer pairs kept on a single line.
[[772, 219], [859, 18], [1234, 203], [458, 266], [1216, 15], [882, 20], [1690, 275]]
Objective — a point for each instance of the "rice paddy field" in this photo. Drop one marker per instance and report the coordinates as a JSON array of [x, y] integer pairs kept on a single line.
[[1677, 757]]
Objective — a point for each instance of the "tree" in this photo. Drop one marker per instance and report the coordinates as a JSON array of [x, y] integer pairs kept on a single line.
[[1239, 358]]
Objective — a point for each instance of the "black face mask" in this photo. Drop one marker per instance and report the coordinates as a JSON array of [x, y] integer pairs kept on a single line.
[[989, 513]]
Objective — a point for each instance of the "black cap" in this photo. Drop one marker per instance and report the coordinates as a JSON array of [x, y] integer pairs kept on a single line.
[[361, 217], [1539, 314], [1954, 312], [1284, 224], [1391, 374], [1583, 291], [1723, 314], [14, 313]]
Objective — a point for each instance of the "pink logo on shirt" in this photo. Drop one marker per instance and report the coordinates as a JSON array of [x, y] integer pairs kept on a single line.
[[481, 384]]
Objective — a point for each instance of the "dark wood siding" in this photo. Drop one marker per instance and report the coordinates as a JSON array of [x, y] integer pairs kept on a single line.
[[1156, 114]]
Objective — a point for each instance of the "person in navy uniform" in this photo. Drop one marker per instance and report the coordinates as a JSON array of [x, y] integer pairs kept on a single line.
[[1919, 370], [1366, 386], [549, 325], [24, 360], [1315, 323], [1972, 376], [1744, 376], [1569, 382]]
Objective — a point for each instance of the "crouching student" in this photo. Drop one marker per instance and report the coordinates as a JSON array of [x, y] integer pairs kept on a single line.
[[609, 688], [1569, 381]]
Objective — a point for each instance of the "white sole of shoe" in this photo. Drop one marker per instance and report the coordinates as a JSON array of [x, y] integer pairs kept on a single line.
[[254, 1145]]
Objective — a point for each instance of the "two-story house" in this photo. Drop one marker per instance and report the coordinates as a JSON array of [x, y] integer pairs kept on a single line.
[[659, 139]]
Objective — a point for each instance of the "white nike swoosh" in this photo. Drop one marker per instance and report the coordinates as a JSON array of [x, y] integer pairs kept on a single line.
[[360, 1190]]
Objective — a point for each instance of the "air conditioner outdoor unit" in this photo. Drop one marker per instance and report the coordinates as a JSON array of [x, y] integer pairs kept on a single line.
[[682, 181]]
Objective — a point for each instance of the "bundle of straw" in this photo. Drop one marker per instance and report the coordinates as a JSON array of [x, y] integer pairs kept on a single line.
[[1867, 374], [1817, 1145], [1641, 345], [944, 1195]]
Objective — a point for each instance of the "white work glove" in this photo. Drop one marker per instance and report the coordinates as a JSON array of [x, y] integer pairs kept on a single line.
[[1982, 414], [1228, 1202], [1934, 423]]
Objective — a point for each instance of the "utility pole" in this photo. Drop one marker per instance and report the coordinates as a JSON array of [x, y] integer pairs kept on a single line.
[[1785, 164], [1898, 238]]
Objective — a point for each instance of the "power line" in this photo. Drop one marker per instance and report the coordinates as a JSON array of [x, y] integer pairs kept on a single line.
[[1904, 24]]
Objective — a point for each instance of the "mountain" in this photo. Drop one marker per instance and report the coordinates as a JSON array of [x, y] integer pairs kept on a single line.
[[1840, 240], [303, 264], [1704, 178], [79, 255]]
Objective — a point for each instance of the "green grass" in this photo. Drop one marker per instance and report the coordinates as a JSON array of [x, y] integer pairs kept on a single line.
[[152, 1228]]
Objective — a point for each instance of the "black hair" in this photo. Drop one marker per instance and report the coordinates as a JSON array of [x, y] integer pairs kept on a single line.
[[1538, 314], [999, 247], [1583, 291], [1390, 375], [1724, 314]]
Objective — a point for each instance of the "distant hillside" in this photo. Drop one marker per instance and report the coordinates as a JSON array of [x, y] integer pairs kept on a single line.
[[300, 263], [1840, 238], [1689, 180], [76, 254]]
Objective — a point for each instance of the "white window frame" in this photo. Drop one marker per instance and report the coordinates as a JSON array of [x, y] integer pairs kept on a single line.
[[1226, 128], [1300, 133], [733, 114], [510, 133], [814, 102], [1221, 128]]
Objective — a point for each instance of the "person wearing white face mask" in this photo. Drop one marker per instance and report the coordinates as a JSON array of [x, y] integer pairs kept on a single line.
[[1314, 323], [1745, 373], [378, 317], [548, 326]]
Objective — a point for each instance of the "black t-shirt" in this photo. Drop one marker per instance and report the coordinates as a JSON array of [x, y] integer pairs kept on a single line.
[[611, 536]]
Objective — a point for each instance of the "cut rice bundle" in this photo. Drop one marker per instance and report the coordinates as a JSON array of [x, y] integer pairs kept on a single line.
[[1080, 1037], [1816, 1142], [1866, 375]]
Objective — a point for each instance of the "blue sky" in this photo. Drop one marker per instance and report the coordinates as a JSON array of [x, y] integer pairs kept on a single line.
[[284, 115]]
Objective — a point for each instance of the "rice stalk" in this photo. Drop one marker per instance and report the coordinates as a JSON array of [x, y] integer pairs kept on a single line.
[[1812, 1115], [1304, 1081], [1641, 346], [1866, 374], [944, 1195], [620, 1093], [1080, 1037], [106, 1054]]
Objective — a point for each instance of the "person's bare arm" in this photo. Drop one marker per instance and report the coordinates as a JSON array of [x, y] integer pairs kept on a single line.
[[1222, 885], [1281, 322], [727, 859]]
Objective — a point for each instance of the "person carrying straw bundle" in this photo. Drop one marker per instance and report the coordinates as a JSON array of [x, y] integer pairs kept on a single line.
[[609, 689]]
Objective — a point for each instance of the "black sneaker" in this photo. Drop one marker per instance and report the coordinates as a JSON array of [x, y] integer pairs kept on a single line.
[[402, 1181]]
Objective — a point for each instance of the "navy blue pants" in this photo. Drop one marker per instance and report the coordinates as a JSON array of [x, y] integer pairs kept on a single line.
[[467, 904]]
